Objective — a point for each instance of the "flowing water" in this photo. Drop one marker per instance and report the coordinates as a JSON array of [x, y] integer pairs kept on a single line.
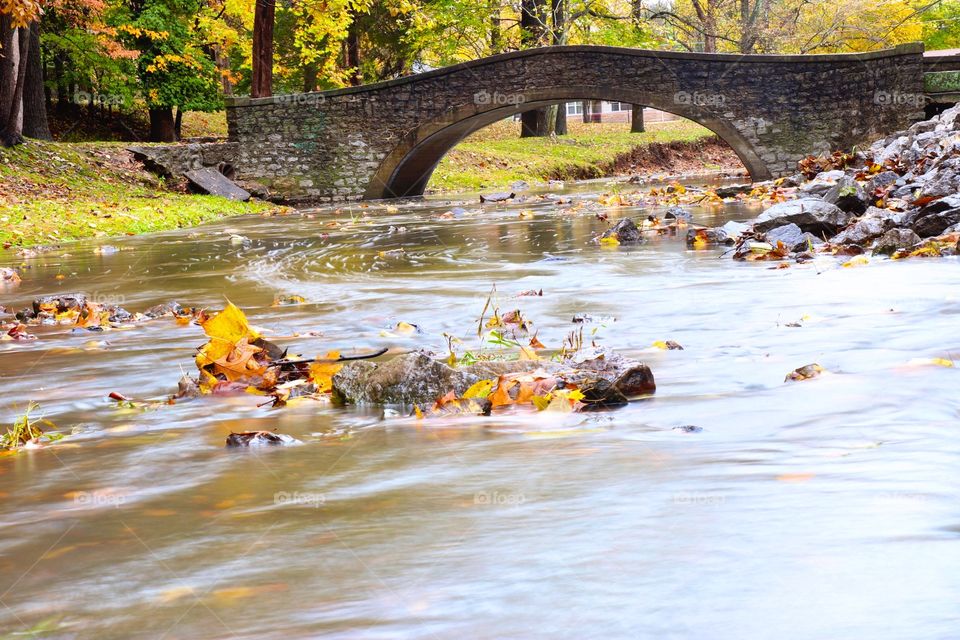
[[822, 508]]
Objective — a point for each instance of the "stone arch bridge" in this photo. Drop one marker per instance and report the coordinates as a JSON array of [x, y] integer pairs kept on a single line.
[[384, 140]]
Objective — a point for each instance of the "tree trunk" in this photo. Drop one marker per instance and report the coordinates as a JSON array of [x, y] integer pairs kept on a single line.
[[13, 79], [532, 30], [309, 77], [351, 55], [496, 31], [560, 128], [223, 69], [34, 98], [636, 119], [586, 110], [263, 21], [8, 67], [558, 9], [178, 125], [63, 91], [162, 128], [534, 123]]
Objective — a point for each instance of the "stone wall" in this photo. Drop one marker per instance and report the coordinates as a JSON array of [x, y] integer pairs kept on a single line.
[[177, 159], [385, 139]]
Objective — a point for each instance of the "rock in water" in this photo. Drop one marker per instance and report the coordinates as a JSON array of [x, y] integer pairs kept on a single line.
[[413, 378], [790, 235], [625, 231], [259, 439], [733, 190], [209, 180], [810, 214], [677, 213], [60, 303], [606, 379], [862, 231], [497, 197]]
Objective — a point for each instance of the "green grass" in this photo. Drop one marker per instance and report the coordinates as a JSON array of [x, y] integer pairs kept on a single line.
[[52, 193], [497, 156]]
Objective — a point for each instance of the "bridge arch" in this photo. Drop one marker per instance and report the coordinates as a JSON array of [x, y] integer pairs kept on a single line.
[[407, 169], [385, 139]]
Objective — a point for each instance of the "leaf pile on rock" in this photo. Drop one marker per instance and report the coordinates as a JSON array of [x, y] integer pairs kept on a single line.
[[578, 382]]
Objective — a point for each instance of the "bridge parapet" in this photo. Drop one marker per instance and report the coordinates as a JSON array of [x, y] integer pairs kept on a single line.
[[385, 139]]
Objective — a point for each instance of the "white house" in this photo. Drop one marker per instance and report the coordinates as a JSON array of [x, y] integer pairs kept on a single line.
[[603, 111]]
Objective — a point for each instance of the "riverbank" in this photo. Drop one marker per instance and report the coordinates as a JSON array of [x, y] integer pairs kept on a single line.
[[51, 193], [496, 156]]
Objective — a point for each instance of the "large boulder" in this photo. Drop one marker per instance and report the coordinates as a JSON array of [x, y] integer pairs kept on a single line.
[[848, 195], [810, 214]]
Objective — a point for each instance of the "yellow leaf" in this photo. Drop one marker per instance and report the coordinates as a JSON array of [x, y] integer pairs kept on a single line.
[[479, 389], [857, 261], [526, 353], [405, 328], [225, 330], [610, 240], [321, 373]]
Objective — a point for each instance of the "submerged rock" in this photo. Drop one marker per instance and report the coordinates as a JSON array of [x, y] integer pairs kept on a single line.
[[625, 231], [810, 214], [677, 213], [497, 197], [260, 439]]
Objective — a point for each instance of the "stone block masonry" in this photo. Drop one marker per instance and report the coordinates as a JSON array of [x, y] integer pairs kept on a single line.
[[384, 140]]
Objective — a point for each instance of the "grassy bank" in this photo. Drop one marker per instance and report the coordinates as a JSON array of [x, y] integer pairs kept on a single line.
[[497, 156], [57, 192]]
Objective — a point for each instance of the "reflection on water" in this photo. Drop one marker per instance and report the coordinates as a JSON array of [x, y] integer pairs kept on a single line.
[[806, 510]]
